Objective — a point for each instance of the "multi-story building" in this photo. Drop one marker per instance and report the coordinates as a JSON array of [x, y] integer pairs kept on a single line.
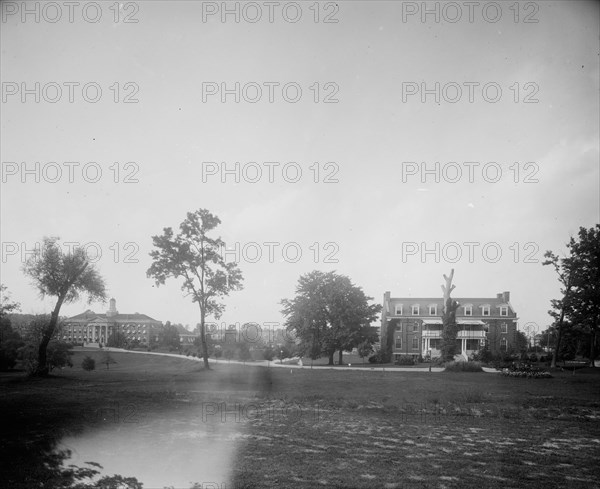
[[92, 328], [417, 324]]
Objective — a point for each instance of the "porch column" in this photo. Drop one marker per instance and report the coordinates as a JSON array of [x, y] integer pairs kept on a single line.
[[464, 346]]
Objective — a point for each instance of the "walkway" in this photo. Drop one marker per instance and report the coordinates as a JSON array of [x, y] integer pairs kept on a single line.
[[265, 363]]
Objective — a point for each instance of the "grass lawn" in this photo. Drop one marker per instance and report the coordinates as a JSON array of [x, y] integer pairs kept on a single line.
[[313, 428]]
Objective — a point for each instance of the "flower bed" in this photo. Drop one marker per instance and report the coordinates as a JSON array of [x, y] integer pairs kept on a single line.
[[527, 371]]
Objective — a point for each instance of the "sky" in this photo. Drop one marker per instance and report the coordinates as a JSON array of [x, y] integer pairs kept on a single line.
[[351, 118]]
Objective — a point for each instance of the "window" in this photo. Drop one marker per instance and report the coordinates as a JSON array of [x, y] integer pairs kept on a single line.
[[503, 310], [398, 343], [415, 310], [503, 344], [468, 310], [485, 310], [433, 310], [415, 343], [504, 328], [398, 309], [415, 327]]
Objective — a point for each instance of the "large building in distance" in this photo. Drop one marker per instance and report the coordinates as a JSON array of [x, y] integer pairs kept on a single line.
[[92, 328], [417, 324]]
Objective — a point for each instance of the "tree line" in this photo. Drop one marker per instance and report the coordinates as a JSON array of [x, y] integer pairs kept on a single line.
[[328, 314]]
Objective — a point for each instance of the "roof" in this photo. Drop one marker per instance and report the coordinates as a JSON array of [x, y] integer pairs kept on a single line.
[[92, 317], [461, 300]]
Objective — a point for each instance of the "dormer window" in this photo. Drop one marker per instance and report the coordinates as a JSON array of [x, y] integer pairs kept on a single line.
[[503, 310], [468, 310], [485, 310], [415, 310], [433, 309], [398, 309]]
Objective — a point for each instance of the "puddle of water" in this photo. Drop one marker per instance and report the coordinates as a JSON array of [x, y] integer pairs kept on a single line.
[[163, 451]]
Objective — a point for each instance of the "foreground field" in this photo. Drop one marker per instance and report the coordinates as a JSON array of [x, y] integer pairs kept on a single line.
[[166, 421]]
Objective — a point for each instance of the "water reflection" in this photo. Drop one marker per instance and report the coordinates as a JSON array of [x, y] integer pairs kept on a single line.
[[171, 449]]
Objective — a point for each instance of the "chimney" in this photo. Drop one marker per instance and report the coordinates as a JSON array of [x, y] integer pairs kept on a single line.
[[506, 296], [499, 297]]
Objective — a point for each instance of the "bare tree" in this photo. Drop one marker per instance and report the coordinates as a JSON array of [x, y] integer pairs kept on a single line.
[[449, 328]]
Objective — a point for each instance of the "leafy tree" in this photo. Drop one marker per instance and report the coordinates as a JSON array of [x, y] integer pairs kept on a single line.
[[365, 349], [168, 337], [584, 304], [449, 326], [7, 306], [88, 363], [329, 314], [283, 353], [194, 256], [244, 352], [579, 276], [9, 353], [117, 340], [559, 306], [66, 277], [521, 342], [269, 353], [107, 359], [228, 353]]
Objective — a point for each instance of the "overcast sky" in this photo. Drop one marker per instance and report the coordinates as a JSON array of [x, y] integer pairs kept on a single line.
[[369, 212]]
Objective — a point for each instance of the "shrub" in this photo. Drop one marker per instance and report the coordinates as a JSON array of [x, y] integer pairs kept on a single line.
[[405, 360], [58, 355], [463, 367], [9, 352], [268, 353], [88, 363], [380, 356]]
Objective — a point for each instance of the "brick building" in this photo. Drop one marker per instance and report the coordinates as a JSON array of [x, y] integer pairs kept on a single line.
[[91, 328], [418, 324]]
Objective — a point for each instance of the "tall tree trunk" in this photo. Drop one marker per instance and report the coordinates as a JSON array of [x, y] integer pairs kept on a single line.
[[203, 337], [558, 337], [331, 358], [340, 357], [42, 366], [593, 347]]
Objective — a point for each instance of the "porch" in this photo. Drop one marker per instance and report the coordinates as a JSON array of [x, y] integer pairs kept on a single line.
[[470, 337]]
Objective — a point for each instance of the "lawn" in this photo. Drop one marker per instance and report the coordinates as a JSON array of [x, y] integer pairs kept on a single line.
[[302, 428]]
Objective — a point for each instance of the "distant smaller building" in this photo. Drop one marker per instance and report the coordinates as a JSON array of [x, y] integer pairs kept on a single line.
[[92, 328], [185, 336]]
